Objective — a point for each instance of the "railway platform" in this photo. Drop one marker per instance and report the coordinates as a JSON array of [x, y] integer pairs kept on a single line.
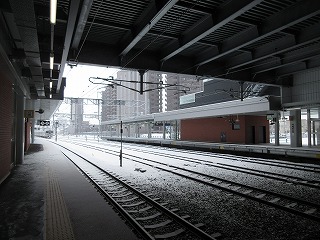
[[46, 197], [259, 150]]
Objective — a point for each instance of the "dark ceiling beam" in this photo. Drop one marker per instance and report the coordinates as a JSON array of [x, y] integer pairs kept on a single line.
[[101, 54], [85, 10], [193, 8], [108, 55], [268, 78], [289, 17], [208, 25], [271, 78], [279, 46], [153, 15], [267, 50], [102, 23], [299, 67], [74, 7], [290, 58]]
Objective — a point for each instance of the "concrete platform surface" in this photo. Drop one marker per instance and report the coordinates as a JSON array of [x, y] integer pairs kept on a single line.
[[46, 197]]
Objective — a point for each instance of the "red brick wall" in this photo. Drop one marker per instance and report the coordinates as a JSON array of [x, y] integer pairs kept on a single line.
[[211, 129], [6, 111]]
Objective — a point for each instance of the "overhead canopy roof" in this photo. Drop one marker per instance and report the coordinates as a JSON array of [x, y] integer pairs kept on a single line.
[[249, 106], [263, 41]]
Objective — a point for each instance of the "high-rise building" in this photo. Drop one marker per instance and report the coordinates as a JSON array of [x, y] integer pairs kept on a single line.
[[184, 85], [126, 101], [132, 103], [109, 107], [155, 97]]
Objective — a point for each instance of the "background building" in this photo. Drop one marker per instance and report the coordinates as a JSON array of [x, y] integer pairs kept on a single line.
[[125, 101]]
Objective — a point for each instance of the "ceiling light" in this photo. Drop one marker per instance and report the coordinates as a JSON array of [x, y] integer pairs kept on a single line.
[[53, 11], [51, 60]]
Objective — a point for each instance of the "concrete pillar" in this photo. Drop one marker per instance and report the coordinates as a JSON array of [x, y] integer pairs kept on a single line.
[[33, 124], [309, 127], [137, 130], [164, 129], [20, 128], [295, 128], [149, 129], [318, 130], [277, 129]]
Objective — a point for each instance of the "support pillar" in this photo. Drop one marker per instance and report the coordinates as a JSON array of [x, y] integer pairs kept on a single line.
[[137, 134], [149, 129], [318, 130], [277, 129], [295, 128], [19, 146], [164, 129], [309, 127]]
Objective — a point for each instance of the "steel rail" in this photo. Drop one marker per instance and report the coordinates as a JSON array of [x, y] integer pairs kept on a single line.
[[171, 214], [288, 198]]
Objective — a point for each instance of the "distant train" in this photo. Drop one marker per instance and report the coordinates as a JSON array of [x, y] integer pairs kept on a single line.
[[43, 132]]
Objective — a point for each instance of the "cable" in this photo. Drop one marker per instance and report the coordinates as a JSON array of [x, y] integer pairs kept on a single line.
[[160, 34], [151, 42], [166, 29], [85, 38]]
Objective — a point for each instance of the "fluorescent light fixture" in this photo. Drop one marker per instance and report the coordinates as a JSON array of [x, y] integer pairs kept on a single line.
[[53, 11], [51, 60]]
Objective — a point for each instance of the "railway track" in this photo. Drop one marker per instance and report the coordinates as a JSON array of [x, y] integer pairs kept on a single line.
[[152, 218], [271, 175], [286, 203], [265, 162]]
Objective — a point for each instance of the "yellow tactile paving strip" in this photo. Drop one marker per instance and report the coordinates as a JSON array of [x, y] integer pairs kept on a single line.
[[57, 221]]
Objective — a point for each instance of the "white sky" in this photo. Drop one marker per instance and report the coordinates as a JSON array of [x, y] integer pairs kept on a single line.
[[78, 85]]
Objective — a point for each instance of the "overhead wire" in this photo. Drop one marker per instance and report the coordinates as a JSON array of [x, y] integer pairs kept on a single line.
[[162, 33], [167, 27]]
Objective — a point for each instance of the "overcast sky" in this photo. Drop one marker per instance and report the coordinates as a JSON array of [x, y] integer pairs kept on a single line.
[[78, 85]]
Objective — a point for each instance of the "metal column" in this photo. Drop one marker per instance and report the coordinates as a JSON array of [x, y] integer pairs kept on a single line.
[[277, 130], [295, 128], [309, 127]]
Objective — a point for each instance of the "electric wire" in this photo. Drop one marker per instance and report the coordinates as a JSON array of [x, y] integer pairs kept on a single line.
[[85, 38], [162, 33], [169, 26]]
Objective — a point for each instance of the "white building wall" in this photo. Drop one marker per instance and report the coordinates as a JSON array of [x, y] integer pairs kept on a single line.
[[305, 89], [306, 86]]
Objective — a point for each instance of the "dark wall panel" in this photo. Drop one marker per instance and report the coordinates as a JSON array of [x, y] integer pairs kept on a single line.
[[6, 111]]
